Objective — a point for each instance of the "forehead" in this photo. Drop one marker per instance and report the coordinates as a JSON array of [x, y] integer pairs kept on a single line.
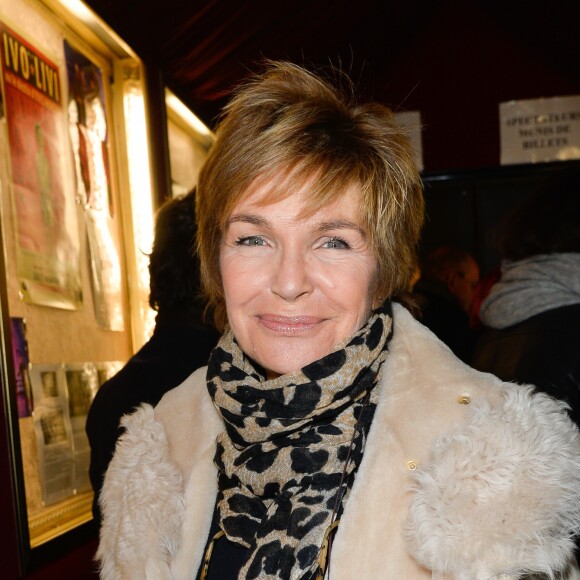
[[471, 267], [301, 201]]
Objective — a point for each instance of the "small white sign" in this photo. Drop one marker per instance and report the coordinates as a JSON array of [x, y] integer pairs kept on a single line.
[[411, 122], [537, 130]]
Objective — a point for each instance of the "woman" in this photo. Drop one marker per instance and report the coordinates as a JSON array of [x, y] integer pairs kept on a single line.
[[328, 421]]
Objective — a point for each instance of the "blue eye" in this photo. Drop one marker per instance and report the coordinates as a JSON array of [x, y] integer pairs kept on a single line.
[[336, 244], [250, 241]]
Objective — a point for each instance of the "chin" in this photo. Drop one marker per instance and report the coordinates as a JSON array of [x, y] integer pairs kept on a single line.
[[275, 367]]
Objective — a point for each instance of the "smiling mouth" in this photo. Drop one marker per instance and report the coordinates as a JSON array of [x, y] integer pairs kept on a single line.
[[289, 325]]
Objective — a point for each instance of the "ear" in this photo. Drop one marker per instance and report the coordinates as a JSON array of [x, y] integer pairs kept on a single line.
[[376, 294], [376, 300], [451, 282]]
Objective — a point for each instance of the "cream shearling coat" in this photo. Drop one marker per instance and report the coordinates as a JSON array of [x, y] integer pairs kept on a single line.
[[463, 477]]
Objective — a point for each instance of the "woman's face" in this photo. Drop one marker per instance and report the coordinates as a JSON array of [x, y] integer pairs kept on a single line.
[[295, 288]]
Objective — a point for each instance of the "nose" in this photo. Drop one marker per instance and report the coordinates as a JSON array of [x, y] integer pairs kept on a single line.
[[291, 277]]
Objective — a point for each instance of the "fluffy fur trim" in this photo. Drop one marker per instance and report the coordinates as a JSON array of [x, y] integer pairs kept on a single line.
[[500, 494], [137, 523]]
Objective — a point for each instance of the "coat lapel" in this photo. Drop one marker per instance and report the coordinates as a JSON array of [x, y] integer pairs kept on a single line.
[[192, 444]]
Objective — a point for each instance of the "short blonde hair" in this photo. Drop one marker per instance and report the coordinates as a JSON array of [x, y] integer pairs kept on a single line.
[[288, 126]]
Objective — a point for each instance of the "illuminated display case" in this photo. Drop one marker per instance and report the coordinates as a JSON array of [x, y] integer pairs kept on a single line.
[[79, 186]]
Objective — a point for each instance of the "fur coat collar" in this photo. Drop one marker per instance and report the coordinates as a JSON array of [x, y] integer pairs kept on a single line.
[[463, 477]]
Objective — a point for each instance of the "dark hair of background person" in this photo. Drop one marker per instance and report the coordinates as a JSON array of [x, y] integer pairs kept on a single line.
[[547, 223], [445, 291], [173, 262], [442, 261]]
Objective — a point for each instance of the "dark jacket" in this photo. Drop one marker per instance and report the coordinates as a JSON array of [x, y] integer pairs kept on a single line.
[[442, 315], [179, 345], [543, 350]]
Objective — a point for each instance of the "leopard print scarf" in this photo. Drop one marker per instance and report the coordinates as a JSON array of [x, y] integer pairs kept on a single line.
[[283, 454]]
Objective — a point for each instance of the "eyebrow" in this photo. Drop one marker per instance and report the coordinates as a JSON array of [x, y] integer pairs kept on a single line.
[[248, 219], [340, 225], [322, 227]]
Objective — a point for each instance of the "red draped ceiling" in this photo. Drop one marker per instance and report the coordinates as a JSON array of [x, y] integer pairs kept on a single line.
[[455, 60], [206, 47]]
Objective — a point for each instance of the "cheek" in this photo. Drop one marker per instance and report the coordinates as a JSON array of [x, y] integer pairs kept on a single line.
[[355, 296], [226, 276], [233, 295], [242, 280], [232, 284]]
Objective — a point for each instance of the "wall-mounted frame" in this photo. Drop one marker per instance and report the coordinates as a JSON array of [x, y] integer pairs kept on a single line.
[[66, 265]]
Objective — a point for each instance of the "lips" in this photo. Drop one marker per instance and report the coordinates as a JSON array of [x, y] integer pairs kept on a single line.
[[289, 325]]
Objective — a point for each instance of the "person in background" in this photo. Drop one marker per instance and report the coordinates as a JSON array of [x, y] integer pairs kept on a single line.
[[180, 343], [486, 283], [532, 314], [331, 434], [446, 288]]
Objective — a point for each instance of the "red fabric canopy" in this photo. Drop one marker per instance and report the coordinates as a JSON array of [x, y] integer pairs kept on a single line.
[[454, 60]]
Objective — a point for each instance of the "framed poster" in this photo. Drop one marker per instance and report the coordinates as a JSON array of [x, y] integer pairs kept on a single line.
[[88, 132], [47, 238]]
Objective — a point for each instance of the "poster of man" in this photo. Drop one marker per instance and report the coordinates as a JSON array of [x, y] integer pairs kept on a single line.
[[88, 131], [47, 239]]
